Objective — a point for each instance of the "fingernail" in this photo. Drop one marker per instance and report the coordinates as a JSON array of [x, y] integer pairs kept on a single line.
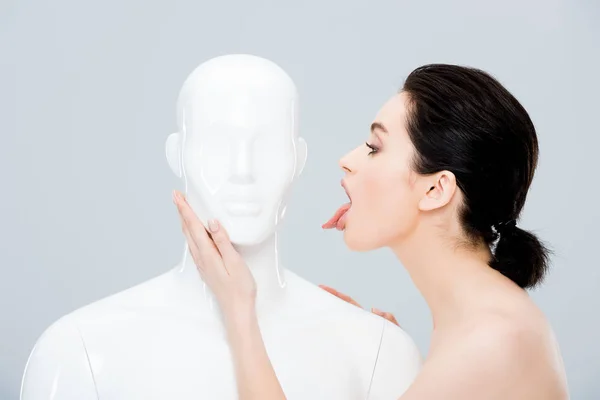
[[178, 196], [376, 310], [213, 225]]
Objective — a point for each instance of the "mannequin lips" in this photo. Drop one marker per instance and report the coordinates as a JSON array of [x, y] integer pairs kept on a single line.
[[338, 220], [243, 209], [242, 204]]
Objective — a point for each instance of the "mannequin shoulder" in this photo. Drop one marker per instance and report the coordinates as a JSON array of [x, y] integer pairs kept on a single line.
[[153, 294], [58, 365], [389, 354], [398, 364], [397, 343], [317, 301], [354, 323]]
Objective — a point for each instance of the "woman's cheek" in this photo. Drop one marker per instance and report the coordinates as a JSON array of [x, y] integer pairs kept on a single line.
[[380, 194], [395, 209]]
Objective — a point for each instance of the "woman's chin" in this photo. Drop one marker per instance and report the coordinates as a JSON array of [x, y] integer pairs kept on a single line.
[[355, 241]]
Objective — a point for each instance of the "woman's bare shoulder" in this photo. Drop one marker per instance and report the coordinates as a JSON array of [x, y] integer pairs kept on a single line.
[[499, 357]]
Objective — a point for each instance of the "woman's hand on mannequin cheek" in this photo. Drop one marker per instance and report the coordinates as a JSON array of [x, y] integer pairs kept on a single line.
[[219, 264], [389, 316]]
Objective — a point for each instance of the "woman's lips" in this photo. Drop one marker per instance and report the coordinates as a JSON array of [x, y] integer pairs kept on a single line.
[[338, 220]]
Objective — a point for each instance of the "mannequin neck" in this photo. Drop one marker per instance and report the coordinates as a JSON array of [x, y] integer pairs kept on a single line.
[[264, 263]]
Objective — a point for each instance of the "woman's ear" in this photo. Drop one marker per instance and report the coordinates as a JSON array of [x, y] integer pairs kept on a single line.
[[438, 190], [173, 153]]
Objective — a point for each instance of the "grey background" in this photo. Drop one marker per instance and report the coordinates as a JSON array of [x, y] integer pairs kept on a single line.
[[87, 99]]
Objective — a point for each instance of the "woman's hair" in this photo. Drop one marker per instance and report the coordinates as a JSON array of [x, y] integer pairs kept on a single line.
[[464, 121]]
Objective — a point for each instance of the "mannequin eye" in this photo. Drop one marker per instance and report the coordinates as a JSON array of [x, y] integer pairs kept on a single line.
[[373, 148]]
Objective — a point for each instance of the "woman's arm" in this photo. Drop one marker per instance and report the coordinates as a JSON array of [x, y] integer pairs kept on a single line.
[[256, 378], [232, 283]]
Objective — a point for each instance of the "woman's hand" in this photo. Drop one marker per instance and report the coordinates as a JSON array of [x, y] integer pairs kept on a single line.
[[230, 279], [390, 317], [219, 264]]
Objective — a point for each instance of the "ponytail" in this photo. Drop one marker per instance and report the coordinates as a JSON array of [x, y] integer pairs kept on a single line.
[[520, 256]]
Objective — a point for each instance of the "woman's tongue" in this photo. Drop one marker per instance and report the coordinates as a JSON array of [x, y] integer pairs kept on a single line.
[[338, 220]]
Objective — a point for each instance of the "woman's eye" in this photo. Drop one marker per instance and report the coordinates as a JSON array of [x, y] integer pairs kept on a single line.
[[373, 148]]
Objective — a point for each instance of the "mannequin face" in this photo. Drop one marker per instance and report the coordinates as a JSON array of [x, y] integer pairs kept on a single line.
[[240, 154]]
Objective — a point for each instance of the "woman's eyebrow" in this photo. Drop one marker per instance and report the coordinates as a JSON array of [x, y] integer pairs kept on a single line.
[[378, 126]]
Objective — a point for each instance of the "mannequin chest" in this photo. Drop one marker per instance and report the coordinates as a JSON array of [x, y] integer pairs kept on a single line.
[[169, 357]]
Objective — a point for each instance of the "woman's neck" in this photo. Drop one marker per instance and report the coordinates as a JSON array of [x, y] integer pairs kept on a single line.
[[446, 274]]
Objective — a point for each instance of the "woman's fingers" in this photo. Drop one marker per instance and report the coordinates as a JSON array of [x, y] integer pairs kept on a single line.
[[221, 240], [342, 296], [206, 250], [193, 248], [389, 316], [194, 225], [190, 241]]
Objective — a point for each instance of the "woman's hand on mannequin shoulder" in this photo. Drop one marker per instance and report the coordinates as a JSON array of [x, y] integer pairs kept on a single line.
[[389, 316], [219, 264]]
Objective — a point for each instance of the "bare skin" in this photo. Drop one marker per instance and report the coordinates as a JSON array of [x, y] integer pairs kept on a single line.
[[490, 341]]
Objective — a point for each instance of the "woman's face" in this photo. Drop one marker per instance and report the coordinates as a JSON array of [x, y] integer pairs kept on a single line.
[[384, 191]]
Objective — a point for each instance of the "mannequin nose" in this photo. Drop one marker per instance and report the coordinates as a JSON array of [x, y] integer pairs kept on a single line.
[[241, 164]]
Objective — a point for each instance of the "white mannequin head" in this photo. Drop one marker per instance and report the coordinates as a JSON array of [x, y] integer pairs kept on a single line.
[[237, 146]]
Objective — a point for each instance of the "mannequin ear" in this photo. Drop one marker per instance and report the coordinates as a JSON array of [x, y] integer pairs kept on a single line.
[[301, 154], [173, 153], [439, 191]]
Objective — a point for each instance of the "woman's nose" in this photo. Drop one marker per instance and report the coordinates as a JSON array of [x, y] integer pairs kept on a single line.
[[344, 163]]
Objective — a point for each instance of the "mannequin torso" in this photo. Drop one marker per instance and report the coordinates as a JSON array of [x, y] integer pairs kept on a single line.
[[238, 152], [150, 342]]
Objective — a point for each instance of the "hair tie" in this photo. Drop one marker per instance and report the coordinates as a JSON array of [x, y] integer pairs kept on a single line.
[[506, 225]]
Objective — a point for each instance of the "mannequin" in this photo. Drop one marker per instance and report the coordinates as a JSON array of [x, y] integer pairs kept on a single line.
[[237, 151]]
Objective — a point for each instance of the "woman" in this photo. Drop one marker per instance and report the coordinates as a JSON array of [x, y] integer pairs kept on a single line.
[[441, 180]]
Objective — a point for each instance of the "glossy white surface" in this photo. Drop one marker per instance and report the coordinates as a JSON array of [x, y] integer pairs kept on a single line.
[[237, 152]]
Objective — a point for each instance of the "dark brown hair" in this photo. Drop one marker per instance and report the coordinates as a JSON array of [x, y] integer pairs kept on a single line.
[[463, 120]]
